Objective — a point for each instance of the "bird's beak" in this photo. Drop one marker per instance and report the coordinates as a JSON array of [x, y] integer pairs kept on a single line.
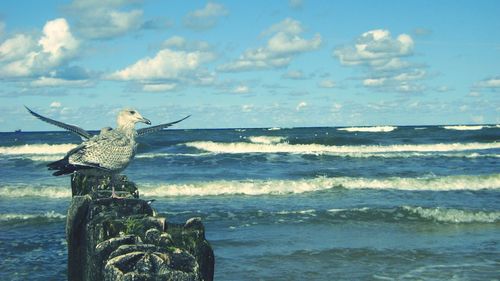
[[145, 121]]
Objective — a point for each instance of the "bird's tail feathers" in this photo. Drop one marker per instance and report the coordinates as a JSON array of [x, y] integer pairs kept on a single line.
[[62, 166]]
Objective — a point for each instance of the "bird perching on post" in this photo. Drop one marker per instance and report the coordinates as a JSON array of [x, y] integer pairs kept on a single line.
[[106, 154]]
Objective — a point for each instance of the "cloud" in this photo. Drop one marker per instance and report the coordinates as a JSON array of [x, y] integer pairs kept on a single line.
[[20, 56], [247, 108], [180, 43], [241, 89], [55, 104], [491, 83], [16, 47], [326, 83], [206, 17], [382, 58], [168, 69], [58, 82], [105, 19], [284, 44], [376, 48], [295, 4], [165, 87], [294, 75], [167, 64], [301, 105]]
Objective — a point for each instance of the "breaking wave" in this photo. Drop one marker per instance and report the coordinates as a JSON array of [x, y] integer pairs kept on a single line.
[[244, 147], [279, 187], [376, 129], [468, 127], [445, 215], [266, 139], [50, 216], [37, 149], [404, 213], [35, 191]]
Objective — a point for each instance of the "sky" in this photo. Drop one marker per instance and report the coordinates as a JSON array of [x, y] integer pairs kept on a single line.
[[238, 64]]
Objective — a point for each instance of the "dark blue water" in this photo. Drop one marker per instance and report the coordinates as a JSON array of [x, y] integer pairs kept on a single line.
[[379, 203]]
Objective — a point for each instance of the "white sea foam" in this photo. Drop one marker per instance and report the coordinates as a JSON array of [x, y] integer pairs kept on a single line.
[[277, 187], [37, 149], [166, 155], [454, 215], [244, 147], [266, 139], [24, 217], [375, 129], [35, 191], [464, 127], [274, 129]]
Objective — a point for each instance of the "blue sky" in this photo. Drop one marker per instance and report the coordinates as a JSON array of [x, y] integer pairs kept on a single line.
[[250, 63]]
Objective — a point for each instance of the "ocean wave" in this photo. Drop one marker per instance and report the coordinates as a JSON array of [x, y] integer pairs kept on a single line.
[[404, 213], [375, 129], [280, 187], [266, 139], [50, 216], [445, 215], [244, 147], [166, 155], [464, 127], [37, 149], [35, 191]]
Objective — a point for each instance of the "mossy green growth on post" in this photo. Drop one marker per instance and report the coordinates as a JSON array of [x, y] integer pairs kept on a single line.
[[124, 239]]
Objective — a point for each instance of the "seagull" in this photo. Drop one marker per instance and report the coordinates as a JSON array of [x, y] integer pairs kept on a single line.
[[86, 135], [108, 153]]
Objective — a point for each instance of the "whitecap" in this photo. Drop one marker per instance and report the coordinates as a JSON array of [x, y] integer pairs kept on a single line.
[[266, 139], [245, 147], [446, 215], [24, 217], [375, 129], [280, 187], [464, 127], [37, 149]]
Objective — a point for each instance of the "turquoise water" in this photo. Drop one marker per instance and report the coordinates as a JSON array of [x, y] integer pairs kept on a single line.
[[377, 203]]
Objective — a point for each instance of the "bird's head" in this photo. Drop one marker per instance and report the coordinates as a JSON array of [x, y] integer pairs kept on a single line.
[[127, 118]]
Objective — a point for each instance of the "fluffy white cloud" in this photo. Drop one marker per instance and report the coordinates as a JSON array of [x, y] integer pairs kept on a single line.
[[159, 87], [279, 51], [167, 64], [206, 17], [326, 83], [180, 43], [294, 75], [55, 104], [492, 83], [241, 89], [381, 57], [16, 47], [247, 108], [295, 3], [104, 19], [22, 57], [58, 82], [301, 105], [376, 48]]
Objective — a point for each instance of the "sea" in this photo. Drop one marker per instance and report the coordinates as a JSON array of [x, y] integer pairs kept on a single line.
[[329, 203]]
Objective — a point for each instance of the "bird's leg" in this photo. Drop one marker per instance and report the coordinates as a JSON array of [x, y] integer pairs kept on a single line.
[[113, 193]]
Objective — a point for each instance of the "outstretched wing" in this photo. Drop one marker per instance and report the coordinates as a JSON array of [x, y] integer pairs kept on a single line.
[[152, 129], [77, 130]]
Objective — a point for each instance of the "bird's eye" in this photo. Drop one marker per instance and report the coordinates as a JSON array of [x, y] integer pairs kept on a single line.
[[132, 112]]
